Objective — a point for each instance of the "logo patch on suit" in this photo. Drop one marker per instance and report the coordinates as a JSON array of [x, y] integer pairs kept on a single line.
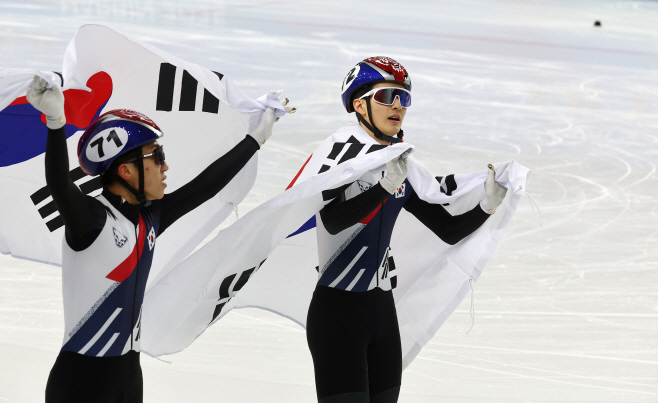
[[400, 192], [151, 238], [119, 238], [363, 185]]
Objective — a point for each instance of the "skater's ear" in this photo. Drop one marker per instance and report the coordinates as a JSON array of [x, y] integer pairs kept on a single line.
[[360, 107], [126, 171]]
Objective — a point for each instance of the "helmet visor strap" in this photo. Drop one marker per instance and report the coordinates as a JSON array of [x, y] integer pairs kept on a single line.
[[371, 126], [159, 159], [141, 197], [138, 193]]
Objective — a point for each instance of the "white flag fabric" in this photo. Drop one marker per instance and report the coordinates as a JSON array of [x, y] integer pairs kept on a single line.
[[202, 114], [268, 258]]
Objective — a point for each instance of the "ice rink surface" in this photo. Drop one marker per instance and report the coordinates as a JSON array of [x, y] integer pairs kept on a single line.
[[566, 310]]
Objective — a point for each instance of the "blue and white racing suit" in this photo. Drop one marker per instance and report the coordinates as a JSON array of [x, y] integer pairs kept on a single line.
[[107, 255], [352, 327]]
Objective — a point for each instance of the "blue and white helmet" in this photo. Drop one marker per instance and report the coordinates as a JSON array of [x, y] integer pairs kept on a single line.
[[370, 71], [113, 134]]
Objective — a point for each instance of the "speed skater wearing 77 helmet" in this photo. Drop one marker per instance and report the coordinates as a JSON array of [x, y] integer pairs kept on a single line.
[[115, 134], [363, 76]]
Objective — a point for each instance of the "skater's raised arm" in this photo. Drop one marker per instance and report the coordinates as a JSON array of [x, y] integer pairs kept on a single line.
[[452, 229], [71, 203], [217, 175], [208, 183]]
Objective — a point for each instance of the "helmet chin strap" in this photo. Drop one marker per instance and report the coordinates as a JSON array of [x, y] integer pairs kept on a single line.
[[371, 126], [139, 194]]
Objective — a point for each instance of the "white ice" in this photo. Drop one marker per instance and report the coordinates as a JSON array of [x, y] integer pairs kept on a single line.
[[566, 311]]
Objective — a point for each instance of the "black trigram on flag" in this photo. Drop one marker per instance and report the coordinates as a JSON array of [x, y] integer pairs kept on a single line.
[[352, 148], [448, 185], [226, 292], [49, 208], [188, 90]]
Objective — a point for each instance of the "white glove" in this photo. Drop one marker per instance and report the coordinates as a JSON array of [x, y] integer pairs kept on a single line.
[[263, 129], [494, 193], [288, 109], [396, 173], [49, 101]]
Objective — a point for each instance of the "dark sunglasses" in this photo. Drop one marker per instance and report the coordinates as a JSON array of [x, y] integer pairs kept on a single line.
[[157, 154], [387, 95]]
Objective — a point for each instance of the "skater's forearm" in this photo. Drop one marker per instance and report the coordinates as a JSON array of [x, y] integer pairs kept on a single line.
[[341, 214], [450, 229], [71, 203], [208, 183]]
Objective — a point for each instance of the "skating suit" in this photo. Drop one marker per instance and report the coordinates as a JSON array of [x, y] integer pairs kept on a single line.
[[358, 258], [352, 327], [104, 285], [107, 255]]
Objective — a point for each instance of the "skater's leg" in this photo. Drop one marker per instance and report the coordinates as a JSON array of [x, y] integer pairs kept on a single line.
[[385, 353], [78, 378], [336, 334]]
